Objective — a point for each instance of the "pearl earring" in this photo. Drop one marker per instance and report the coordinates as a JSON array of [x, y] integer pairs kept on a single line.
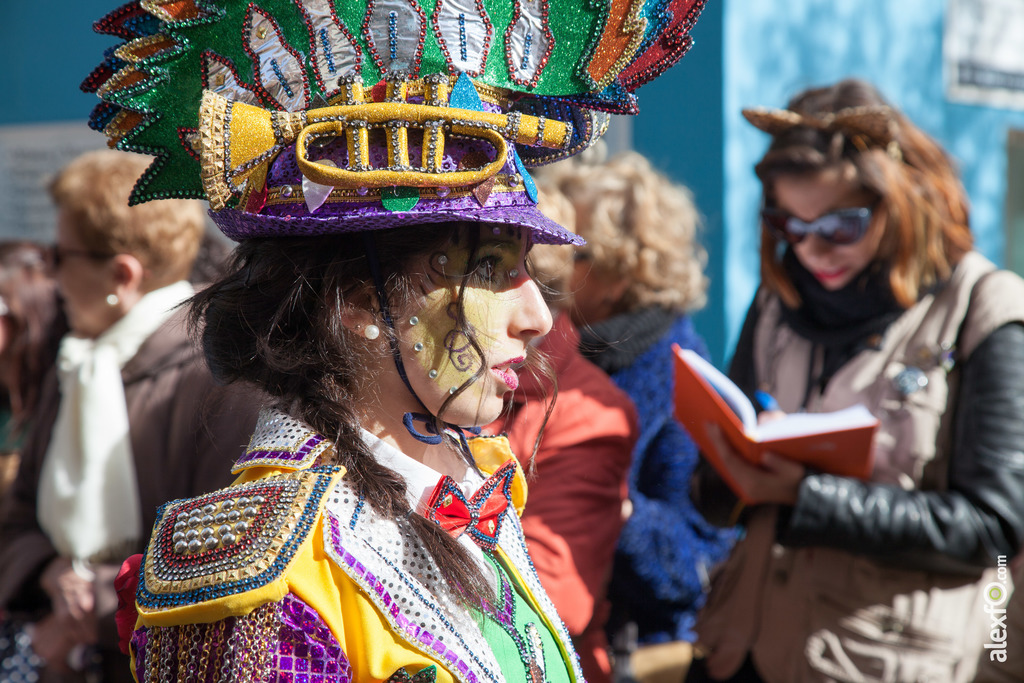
[[113, 300], [371, 332]]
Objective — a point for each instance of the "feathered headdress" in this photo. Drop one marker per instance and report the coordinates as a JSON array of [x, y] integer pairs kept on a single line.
[[316, 116]]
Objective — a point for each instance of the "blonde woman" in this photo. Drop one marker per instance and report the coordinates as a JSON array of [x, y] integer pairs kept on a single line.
[[130, 419]]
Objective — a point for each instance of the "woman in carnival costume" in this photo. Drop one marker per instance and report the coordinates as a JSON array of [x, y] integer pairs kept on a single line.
[[372, 161]]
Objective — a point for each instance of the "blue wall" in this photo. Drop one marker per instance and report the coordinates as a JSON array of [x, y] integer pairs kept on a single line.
[[53, 48], [680, 130]]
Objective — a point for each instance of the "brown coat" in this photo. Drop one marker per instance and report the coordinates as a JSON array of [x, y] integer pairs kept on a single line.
[[186, 431]]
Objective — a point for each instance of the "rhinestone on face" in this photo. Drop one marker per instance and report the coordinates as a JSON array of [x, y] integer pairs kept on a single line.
[[417, 347], [414, 321], [432, 374], [453, 390], [442, 259]]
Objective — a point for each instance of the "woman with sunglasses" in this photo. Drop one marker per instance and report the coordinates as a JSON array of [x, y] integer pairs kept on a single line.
[[870, 294]]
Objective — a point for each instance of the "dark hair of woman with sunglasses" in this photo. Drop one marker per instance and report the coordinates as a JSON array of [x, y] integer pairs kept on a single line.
[[870, 294]]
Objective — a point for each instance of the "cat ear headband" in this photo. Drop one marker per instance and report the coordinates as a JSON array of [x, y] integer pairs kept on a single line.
[[866, 127]]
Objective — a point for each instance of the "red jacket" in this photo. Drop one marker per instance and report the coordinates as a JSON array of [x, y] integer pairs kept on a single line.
[[574, 508]]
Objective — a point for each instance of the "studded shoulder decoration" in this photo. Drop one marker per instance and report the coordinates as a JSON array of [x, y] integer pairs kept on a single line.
[[233, 541], [281, 441]]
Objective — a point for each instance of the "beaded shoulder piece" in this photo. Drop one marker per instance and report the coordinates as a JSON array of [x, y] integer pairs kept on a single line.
[[282, 442], [207, 551]]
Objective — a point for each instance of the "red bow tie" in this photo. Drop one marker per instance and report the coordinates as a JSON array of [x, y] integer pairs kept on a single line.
[[480, 515]]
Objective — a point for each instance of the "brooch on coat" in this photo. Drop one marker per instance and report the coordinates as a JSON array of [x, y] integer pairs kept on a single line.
[[913, 379]]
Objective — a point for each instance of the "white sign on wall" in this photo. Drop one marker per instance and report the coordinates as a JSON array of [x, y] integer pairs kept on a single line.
[[983, 47], [29, 157]]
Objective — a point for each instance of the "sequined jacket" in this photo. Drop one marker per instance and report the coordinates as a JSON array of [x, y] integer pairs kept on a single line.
[[289, 572]]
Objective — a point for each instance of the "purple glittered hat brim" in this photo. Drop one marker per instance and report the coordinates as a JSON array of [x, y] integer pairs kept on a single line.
[[239, 225]]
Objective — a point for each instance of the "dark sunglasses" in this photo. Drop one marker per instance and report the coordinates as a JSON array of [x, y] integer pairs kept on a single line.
[[59, 255], [843, 226]]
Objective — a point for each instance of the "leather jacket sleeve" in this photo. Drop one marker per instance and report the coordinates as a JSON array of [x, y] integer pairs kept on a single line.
[[964, 528]]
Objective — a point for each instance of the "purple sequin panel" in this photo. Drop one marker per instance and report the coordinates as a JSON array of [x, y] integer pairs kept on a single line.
[[412, 631], [307, 650], [285, 457], [140, 639]]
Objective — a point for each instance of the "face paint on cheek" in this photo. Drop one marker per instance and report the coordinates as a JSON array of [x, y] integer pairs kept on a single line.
[[443, 352]]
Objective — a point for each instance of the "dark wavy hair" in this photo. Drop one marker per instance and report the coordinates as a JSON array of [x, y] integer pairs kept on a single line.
[[275, 321], [37, 324], [926, 230]]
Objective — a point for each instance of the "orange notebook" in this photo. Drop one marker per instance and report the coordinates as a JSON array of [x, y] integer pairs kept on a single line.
[[837, 443]]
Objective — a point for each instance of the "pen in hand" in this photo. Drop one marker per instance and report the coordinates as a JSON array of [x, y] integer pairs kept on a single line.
[[766, 401]]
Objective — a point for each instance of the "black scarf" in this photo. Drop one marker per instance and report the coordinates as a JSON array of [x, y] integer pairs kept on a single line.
[[614, 343], [842, 322]]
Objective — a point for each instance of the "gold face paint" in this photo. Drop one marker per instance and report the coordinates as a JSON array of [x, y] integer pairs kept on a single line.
[[490, 281]]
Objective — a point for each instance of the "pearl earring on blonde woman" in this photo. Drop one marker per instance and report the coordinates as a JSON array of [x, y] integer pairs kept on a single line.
[[371, 332]]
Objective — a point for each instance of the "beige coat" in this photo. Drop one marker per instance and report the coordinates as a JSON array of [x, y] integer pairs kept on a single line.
[[822, 614]]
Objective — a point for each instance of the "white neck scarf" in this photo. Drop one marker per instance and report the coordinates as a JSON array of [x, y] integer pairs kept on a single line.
[[88, 495]]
